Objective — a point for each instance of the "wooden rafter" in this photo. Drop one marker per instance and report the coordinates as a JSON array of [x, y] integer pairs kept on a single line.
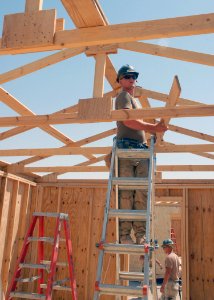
[[146, 30], [118, 115], [102, 150], [168, 52]]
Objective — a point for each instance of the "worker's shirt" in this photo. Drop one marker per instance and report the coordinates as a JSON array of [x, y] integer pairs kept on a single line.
[[125, 101], [172, 262]]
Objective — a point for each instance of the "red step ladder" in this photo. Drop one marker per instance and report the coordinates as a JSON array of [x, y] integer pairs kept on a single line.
[[173, 238], [61, 220]]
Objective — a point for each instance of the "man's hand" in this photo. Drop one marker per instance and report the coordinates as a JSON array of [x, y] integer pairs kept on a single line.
[[160, 126]]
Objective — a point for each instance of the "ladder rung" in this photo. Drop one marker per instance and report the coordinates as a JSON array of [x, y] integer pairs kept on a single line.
[[131, 183], [52, 215], [124, 249], [26, 295], [134, 276], [34, 266], [57, 287], [30, 279], [133, 153], [128, 214], [41, 239], [48, 262], [109, 289]]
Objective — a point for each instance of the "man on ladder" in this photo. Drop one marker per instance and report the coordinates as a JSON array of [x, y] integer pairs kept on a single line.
[[131, 134]]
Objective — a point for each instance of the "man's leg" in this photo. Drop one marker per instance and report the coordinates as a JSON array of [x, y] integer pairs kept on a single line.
[[126, 169], [140, 200], [171, 290]]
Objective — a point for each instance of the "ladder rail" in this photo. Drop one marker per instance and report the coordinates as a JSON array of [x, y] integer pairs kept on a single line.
[[118, 214], [105, 221], [149, 195]]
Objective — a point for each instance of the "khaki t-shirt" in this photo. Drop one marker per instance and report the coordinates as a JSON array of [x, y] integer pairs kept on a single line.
[[172, 262], [125, 101]]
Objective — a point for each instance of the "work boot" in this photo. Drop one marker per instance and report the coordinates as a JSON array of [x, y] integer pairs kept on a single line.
[[126, 239]]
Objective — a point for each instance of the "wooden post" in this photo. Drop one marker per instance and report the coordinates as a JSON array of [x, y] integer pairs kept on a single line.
[[99, 75], [33, 5]]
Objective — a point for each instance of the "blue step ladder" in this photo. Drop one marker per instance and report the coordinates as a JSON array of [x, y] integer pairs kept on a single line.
[[148, 277]]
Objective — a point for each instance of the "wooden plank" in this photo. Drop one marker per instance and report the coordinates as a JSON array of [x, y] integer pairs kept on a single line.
[[192, 133], [13, 217], [56, 151], [207, 241], [168, 52], [33, 5], [178, 168], [117, 115], [6, 196], [172, 100], [85, 13], [39, 64], [194, 148], [99, 75], [101, 49], [195, 246], [154, 29], [29, 29], [184, 246], [162, 97], [60, 24], [146, 30], [67, 169], [95, 108]]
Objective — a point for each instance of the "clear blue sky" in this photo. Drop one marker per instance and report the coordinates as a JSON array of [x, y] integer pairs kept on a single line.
[[63, 84]]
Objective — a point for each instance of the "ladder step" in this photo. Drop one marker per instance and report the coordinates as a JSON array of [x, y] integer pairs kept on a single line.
[[41, 239], [57, 287], [109, 289], [26, 295], [133, 153], [131, 183], [132, 276], [30, 279], [51, 215], [128, 214], [124, 249], [34, 266], [48, 262]]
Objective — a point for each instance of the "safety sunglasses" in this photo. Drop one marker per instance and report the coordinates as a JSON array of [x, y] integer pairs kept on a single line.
[[133, 76]]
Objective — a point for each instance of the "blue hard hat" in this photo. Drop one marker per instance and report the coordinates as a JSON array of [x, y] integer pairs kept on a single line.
[[167, 242]]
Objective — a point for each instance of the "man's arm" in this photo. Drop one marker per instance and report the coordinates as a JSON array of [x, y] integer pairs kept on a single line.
[[149, 127], [166, 278]]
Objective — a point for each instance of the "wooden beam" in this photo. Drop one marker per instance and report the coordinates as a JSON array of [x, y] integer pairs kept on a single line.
[[192, 133], [56, 151], [187, 168], [117, 115], [174, 94], [85, 13], [99, 75], [166, 148], [66, 169], [162, 97], [74, 144], [146, 30], [168, 52], [33, 5], [39, 64], [60, 24]]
